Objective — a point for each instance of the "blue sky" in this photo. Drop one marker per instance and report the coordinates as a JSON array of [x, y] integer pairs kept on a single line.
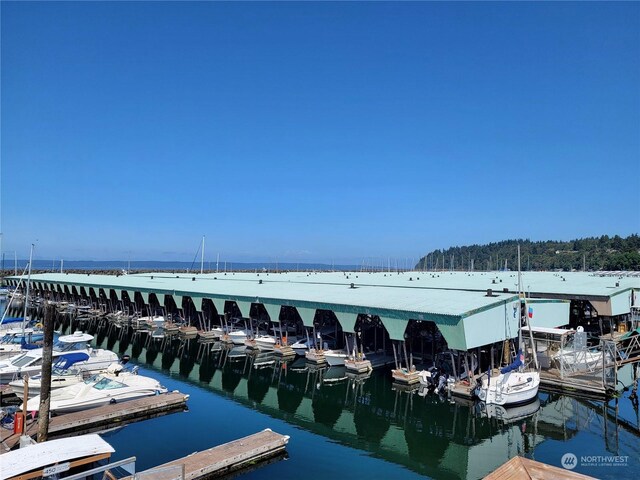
[[315, 131]]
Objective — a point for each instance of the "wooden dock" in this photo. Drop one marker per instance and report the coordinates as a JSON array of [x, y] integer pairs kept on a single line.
[[223, 459], [520, 468], [96, 419]]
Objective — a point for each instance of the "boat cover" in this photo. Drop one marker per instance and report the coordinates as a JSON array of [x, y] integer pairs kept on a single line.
[[12, 320], [517, 363], [68, 359]]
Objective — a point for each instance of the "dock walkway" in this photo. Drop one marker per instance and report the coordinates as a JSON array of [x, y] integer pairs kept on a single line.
[[95, 419], [222, 459], [520, 468]]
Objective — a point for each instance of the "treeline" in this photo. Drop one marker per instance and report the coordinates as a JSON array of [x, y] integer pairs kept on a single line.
[[593, 253]]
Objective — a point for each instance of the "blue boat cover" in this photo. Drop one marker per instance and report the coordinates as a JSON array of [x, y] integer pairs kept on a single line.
[[517, 363], [68, 359], [12, 320], [28, 346]]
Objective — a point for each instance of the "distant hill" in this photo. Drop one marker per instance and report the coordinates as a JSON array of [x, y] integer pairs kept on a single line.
[[594, 253]]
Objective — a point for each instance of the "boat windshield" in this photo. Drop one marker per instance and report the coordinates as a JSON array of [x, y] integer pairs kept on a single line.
[[67, 347], [92, 379], [65, 372], [22, 360], [108, 384]]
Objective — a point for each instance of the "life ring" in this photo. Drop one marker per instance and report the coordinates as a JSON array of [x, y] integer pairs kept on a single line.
[[39, 325]]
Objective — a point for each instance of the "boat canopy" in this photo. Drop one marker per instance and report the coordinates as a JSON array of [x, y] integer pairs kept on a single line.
[[65, 361], [76, 337]]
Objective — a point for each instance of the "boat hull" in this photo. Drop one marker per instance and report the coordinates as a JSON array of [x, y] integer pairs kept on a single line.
[[511, 389]]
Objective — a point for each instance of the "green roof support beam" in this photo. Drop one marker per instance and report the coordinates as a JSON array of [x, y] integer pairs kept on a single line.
[[395, 327], [273, 311], [307, 315], [347, 321]]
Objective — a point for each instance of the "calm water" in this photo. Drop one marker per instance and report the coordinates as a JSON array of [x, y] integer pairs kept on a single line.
[[357, 427]]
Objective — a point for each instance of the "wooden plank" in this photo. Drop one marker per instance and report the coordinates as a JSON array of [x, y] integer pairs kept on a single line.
[[520, 468], [107, 415], [229, 456]]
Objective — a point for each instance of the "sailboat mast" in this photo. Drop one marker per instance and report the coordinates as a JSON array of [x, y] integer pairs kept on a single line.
[[519, 299], [202, 257], [26, 297]]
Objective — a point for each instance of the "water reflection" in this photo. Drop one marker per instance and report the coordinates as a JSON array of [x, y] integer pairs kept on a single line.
[[429, 434]]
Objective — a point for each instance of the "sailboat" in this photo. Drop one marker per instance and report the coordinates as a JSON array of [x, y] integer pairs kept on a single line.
[[515, 384]]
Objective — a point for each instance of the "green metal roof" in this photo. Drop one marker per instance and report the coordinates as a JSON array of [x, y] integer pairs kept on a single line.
[[290, 289]]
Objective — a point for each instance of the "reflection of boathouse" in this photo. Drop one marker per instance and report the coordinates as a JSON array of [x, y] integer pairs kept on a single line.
[[416, 314]]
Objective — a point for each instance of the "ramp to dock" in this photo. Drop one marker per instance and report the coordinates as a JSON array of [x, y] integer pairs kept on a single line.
[[222, 459], [112, 415]]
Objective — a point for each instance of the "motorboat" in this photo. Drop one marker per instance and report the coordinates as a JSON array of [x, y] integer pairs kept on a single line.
[[115, 386], [265, 342], [11, 343], [238, 337], [301, 346], [30, 362], [448, 367], [64, 373], [335, 358], [576, 356]]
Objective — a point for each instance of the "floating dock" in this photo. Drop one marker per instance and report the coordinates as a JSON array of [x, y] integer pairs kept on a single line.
[[96, 419], [223, 459], [520, 468]]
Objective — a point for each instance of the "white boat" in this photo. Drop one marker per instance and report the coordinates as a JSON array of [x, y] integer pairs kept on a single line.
[[335, 358], [39, 459], [265, 342], [575, 356], [115, 386], [301, 346], [238, 337], [510, 388], [64, 373], [10, 343], [30, 362], [515, 384]]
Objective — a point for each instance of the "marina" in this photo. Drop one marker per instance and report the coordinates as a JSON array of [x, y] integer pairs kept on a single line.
[[402, 432], [327, 240]]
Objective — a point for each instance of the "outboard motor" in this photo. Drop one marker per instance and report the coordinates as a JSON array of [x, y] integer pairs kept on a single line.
[[442, 383]]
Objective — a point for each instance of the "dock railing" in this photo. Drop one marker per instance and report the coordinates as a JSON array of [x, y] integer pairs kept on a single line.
[[126, 466]]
